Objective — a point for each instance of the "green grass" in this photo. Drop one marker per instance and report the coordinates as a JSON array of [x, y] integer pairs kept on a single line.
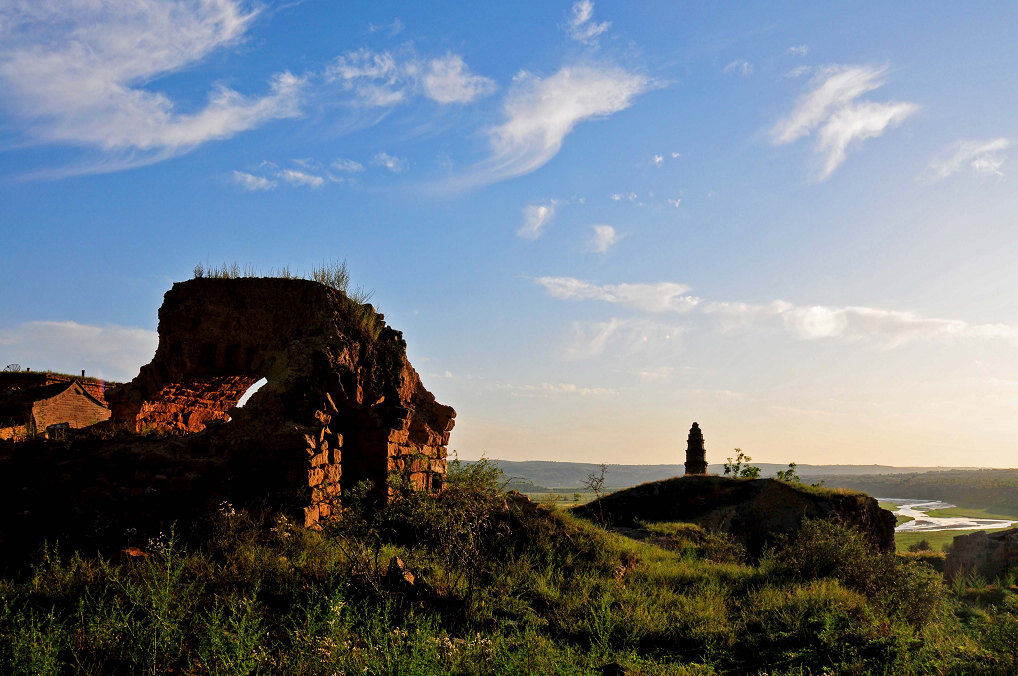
[[973, 513], [501, 586], [937, 538]]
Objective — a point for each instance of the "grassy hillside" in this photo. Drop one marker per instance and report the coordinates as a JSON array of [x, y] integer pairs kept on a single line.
[[480, 582]]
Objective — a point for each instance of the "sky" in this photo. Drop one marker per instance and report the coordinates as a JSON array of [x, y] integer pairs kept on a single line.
[[594, 222]]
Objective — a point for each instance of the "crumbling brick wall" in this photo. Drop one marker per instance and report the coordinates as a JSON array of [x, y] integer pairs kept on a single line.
[[342, 404]]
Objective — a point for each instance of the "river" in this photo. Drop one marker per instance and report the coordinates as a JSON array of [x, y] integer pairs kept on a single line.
[[921, 522]]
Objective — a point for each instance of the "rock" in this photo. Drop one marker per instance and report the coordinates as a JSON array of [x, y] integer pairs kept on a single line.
[[989, 554], [754, 511]]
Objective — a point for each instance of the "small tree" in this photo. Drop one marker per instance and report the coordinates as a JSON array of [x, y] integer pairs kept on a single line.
[[595, 484], [789, 475], [740, 467]]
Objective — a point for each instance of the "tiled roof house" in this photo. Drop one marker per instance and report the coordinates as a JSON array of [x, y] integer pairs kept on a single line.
[[36, 409]]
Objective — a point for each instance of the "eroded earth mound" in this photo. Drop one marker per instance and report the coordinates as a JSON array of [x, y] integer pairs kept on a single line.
[[754, 511]]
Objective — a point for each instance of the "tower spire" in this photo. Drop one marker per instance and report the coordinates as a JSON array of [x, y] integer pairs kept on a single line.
[[696, 454]]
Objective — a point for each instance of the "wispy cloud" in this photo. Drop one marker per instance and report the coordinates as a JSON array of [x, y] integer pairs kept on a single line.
[[831, 109], [553, 390], [675, 202], [582, 27], [738, 67], [308, 173], [296, 177], [535, 218], [112, 352], [75, 72], [392, 29], [396, 165], [879, 327], [798, 50], [656, 298], [890, 328], [448, 80], [604, 238], [251, 182], [347, 165], [629, 336], [541, 112], [981, 157], [627, 196], [383, 79]]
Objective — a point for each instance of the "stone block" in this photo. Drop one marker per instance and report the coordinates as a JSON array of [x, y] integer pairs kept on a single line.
[[315, 476], [319, 459], [311, 515], [333, 473]]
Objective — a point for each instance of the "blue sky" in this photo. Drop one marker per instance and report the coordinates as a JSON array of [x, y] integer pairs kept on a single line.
[[595, 222]]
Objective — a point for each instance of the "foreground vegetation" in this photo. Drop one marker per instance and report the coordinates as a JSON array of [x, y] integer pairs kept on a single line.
[[477, 581]]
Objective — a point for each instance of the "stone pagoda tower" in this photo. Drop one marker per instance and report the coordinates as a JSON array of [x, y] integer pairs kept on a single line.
[[696, 454]]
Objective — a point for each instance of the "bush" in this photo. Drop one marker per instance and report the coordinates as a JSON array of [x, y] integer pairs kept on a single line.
[[909, 589]]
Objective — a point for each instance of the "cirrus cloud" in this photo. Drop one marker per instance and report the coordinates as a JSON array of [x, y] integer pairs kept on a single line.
[[76, 72], [831, 109], [540, 112], [981, 157]]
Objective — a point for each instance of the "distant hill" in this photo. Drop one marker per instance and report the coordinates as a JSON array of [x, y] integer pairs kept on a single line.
[[571, 476]]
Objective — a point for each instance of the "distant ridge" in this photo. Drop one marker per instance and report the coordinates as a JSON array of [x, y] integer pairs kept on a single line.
[[555, 475]]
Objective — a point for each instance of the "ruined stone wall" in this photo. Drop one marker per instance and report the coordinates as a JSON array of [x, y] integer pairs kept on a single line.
[[342, 404]]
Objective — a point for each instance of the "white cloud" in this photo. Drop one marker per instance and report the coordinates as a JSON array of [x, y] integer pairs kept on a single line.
[[877, 326], [799, 71], [658, 160], [251, 182], [656, 298], [675, 202], [535, 218], [349, 166], [891, 328], [885, 328], [298, 178], [581, 25], [549, 390], [627, 196], [449, 81], [832, 109], [676, 156], [626, 336], [982, 157], [739, 67], [541, 112], [396, 165], [798, 50], [75, 72], [111, 352], [381, 79], [734, 315], [393, 29], [856, 123], [653, 374], [604, 238]]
